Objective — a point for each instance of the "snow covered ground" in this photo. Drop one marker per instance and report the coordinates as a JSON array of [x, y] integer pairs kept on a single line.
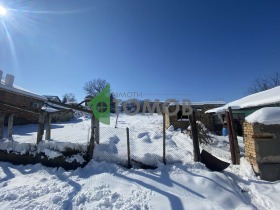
[[106, 185]]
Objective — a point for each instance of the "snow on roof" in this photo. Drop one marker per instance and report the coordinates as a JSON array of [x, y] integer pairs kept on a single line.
[[50, 107], [199, 103], [21, 91], [267, 97], [267, 116]]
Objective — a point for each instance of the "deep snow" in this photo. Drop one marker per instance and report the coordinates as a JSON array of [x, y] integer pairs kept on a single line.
[[106, 185], [266, 115]]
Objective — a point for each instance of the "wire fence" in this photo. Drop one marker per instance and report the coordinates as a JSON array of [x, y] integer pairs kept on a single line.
[[112, 146], [74, 131], [143, 147]]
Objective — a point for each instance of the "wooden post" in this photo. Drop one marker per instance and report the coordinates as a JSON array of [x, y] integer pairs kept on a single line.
[[2, 119], [41, 123], [97, 132], [234, 148], [48, 126], [92, 138], [116, 120], [128, 149], [196, 150], [164, 139], [10, 125]]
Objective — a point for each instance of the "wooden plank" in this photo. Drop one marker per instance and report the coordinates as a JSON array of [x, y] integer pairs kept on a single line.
[[48, 126], [10, 125], [2, 118], [128, 149], [196, 150], [41, 123], [164, 139]]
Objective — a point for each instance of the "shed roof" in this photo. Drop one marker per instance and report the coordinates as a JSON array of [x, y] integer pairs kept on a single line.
[[264, 98], [201, 103], [21, 91]]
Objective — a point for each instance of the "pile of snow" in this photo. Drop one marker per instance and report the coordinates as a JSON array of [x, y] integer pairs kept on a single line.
[[102, 185], [181, 184], [263, 98], [267, 116]]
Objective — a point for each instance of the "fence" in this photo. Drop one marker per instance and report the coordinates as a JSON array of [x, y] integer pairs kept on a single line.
[[143, 147]]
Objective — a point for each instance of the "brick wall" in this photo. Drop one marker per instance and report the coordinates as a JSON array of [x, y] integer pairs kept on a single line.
[[249, 144], [262, 149]]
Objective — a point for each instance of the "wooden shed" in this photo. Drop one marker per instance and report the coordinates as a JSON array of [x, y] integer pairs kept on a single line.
[[245, 106], [59, 113], [181, 121]]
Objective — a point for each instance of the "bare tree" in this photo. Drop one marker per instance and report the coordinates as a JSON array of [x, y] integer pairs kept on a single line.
[[95, 86], [261, 84], [69, 97]]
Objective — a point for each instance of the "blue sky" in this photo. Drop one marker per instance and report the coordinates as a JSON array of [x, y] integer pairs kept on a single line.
[[194, 49]]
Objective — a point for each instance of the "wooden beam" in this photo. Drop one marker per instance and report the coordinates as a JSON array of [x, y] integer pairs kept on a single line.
[[10, 125], [2, 119], [18, 108], [48, 126], [196, 150], [70, 107], [41, 123]]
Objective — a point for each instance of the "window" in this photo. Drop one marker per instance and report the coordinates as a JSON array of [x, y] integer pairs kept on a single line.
[[36, 105]]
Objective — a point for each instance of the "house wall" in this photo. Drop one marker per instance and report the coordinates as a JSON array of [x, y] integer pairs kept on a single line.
[[262, 149], [62, 116], [21, 102]]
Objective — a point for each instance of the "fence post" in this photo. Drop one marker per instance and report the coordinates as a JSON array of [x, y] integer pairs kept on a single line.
[[164, 139], [234, 148], [196, 150], [92, 138], [97, 131], [41, 123], [128, 149], [48, 126], [2, 118]]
